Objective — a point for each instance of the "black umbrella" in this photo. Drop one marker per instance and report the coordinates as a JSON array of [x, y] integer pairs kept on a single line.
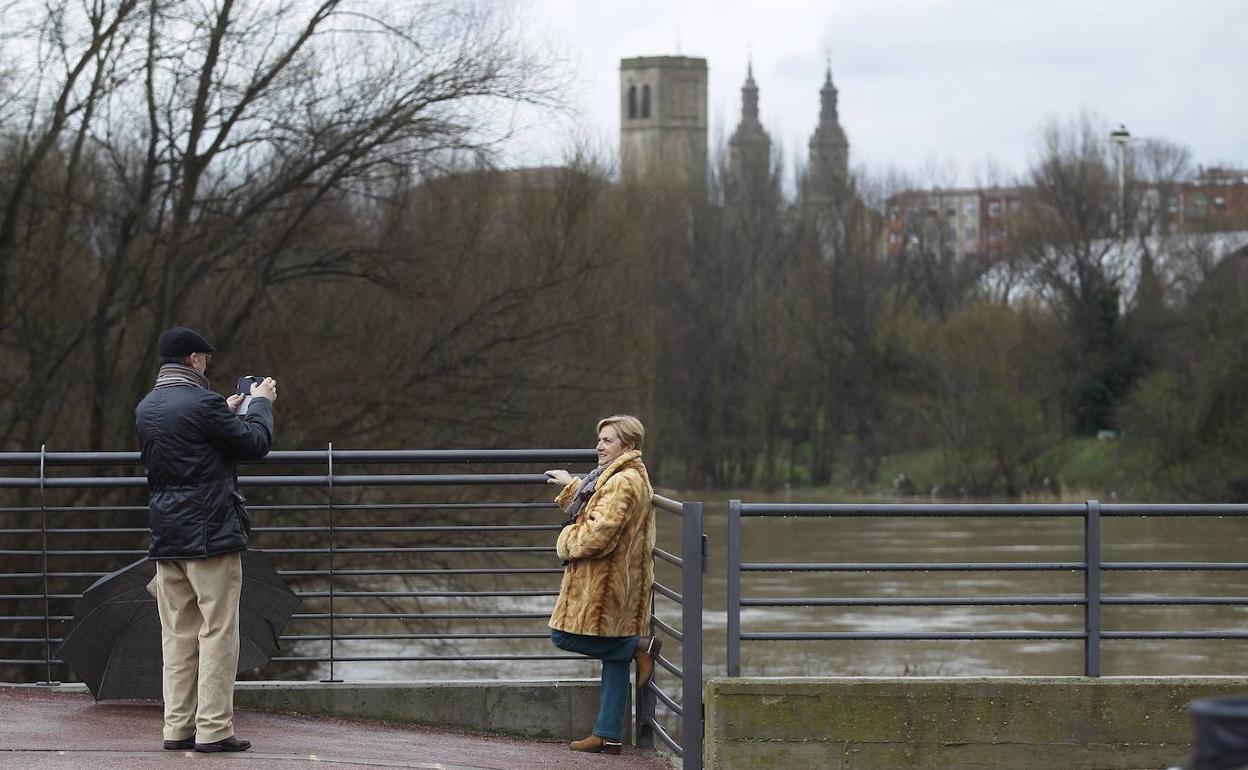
[[113, 642]]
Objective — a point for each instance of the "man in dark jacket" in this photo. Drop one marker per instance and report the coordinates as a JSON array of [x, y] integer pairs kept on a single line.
[[191, 440]]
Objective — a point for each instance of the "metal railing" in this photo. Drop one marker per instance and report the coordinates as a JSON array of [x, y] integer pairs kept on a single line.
[[1092, 565], [80, 527], [692, 563]]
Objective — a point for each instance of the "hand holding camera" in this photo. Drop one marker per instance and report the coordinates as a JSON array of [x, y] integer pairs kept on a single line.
[[252, 386]]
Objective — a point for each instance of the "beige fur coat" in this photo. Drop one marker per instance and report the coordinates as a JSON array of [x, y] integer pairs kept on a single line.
[[607, 582]]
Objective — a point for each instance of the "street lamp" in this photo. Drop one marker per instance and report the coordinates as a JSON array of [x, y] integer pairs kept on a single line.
[[1120, 136]]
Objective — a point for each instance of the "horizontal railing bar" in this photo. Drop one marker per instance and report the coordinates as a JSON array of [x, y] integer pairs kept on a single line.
[[417, 658], [321, 456], [367, 480], [903, 510], [1173, 509], [669, 593], [1187, 601], [934, 601], [939, 566], [668, 504], [402, 572], [418, 615], [100, 552], [29, 575], [801, 636], [418, 594], [402, 506], [1003, 510], [295, 529], [1194, 566], [445, 528], [667, 557], [399, 549], [27, 640], [394, 637], [29, 618], [663, 697], [29, 662], [667, 664], [670, 631], [1178, 635], [81, 508], [32, 597], [663, 736], [81, 531]]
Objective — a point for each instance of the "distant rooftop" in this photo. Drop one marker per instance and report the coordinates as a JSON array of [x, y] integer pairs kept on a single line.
[[641, 62]]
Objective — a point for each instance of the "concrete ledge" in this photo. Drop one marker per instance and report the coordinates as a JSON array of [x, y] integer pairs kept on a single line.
[[537, 709], [559, 710], [1040, 723]]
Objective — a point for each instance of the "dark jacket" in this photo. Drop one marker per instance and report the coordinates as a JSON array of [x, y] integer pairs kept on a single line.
[[191, 444]]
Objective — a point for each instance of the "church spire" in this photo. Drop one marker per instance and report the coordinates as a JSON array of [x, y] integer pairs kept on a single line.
[[827, 97], [749, 95]]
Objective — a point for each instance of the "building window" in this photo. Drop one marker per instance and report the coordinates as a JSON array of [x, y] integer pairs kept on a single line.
[[892, 239], [893, 214], [994, 209], [1219, 202], [1016, 206], [1197, 204], [1173, 204], [645, 101], [632, 101]]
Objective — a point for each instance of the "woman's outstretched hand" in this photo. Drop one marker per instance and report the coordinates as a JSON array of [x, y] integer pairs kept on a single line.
[[560, 477]]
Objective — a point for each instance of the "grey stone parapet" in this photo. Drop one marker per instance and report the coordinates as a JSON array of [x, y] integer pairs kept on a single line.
[[1037, 723], [559, 710]]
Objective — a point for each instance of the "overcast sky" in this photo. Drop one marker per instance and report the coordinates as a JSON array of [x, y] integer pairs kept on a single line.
[[932, 88]]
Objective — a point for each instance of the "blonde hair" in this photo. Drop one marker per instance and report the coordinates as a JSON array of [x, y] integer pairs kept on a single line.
[[630, 430]]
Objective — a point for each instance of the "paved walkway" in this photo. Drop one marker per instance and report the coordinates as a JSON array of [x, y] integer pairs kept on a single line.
[[42, 730]]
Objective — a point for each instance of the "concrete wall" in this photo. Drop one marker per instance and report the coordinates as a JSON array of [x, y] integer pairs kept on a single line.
[[1037, 723], [556, 710]]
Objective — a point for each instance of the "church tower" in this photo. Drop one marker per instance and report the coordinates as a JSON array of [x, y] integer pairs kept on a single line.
[[749, 149], [663, 120], [827, 175]]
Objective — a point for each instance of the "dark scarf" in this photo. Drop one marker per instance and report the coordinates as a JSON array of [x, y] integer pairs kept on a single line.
[[179, 375]]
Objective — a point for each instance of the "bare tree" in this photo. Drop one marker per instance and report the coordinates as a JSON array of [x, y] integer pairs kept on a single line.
[[185, 163]]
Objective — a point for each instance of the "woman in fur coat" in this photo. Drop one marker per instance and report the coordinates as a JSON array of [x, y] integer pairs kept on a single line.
[[604, 600]]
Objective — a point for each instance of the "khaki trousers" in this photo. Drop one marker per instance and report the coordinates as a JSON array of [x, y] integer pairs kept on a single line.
[[198, 601]]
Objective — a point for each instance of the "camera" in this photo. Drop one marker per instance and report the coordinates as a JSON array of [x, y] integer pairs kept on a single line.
[[246, 381]]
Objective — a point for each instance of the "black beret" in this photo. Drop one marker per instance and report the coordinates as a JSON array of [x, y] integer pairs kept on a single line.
[[180, 342]]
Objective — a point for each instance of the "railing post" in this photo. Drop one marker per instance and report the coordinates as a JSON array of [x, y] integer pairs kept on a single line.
[[332, 577], [644, 702], [692, 567], [43, 531], [1092, 589], [734, 588]]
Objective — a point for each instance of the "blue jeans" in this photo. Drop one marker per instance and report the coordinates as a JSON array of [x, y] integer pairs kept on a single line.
[[615, 652]]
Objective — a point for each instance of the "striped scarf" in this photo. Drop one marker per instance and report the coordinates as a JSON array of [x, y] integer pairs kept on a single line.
[[589, 485], [178, 375]]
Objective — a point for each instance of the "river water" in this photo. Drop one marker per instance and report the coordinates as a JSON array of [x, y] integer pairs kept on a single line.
[[851, 540]]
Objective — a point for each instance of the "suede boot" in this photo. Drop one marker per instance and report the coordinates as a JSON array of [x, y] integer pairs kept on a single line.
[[648, 648], [596, 745]]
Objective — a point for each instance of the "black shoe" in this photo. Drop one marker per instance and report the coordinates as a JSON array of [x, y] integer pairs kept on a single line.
[[186, 744], [228, 744]]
